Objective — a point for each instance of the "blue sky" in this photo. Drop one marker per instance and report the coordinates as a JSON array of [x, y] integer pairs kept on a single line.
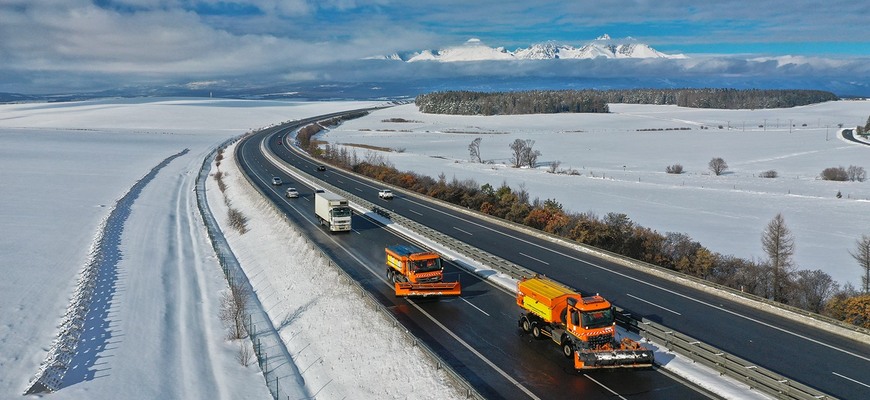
[[97, 44]]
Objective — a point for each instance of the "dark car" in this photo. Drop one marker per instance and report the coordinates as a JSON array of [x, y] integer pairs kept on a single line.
[[321, 168], [276, 181]]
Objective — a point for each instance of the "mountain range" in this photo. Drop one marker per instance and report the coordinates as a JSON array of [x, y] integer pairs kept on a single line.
[[474, 50]]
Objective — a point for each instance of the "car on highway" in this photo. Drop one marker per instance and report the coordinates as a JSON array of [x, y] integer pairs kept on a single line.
[[276, 181], [321, 168], [385, 194], [291, 193]]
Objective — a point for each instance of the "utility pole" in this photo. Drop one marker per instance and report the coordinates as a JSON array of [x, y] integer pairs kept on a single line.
[[765, 124], [789, 125]]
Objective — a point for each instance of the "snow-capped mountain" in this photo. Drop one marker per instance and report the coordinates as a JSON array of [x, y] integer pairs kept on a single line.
[[475, 50]]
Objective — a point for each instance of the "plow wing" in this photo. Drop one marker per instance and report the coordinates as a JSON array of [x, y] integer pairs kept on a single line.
[[624, 354], [441, 289]]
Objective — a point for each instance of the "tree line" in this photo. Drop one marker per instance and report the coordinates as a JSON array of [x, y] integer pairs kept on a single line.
[[596, 101], [776, 278]]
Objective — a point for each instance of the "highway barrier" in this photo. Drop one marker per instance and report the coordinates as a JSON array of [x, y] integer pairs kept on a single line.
[[756, 377]]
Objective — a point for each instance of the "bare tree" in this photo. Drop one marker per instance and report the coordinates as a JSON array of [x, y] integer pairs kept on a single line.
[[813, 289], [245, 353], [530, 156], [862, 255], [518, 149], [856, 173], [474, 150], [717, 165], [233, 311], [554, 166], [778, 243]]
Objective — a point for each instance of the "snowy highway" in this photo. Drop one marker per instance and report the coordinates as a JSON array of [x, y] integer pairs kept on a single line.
[[792, 349], [476, 334]]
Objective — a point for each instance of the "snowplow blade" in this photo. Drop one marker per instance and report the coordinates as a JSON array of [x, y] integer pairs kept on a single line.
[[628, 354], [440, 289], [614, 359]]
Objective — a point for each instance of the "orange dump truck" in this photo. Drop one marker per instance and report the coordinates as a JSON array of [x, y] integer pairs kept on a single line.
[[583, 326], [418, 273]]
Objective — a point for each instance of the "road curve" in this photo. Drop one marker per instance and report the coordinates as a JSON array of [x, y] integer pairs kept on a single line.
[[477, 333], [825, 361]]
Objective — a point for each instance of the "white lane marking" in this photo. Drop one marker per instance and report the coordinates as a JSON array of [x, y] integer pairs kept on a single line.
[[850, 379], [340, 181], [440, 325], [476, 307], [536, 259], [415, 212], [358, 189], [431, 318], [651, 285], [465, 232], [608, 389], [357, 232], [652, 304]]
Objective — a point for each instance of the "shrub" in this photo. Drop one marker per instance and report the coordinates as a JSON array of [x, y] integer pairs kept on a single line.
[[835, 174], [238, 220], [856, 173], [674, 169], [769, 174]]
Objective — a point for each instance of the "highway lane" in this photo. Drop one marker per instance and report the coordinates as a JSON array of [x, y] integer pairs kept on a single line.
[[476, 334], [828, 362]]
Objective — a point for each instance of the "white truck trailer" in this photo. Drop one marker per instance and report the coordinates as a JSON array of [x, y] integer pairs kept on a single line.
[[332, 210]]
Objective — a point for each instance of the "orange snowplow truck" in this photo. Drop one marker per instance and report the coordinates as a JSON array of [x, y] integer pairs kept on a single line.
[[583, 326], [418, 273]]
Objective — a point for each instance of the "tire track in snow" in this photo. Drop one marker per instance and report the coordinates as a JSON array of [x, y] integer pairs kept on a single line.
[[198, 347], [188, 313], [87, 318]]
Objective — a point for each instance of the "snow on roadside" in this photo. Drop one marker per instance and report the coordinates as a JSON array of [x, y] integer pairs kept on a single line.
[[62, 166], [342, 345]]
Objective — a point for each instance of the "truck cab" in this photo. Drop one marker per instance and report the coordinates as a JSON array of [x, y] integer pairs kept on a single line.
[[417, 272], [583, 326]]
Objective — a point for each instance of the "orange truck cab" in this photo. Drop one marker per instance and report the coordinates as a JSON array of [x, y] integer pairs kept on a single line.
[[418, 272], [584, 327]]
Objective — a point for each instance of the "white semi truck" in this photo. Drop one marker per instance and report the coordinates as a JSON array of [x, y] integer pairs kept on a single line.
[[332, 210]]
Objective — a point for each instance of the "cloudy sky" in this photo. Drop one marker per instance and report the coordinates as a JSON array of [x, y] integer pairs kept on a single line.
[[56, 45]]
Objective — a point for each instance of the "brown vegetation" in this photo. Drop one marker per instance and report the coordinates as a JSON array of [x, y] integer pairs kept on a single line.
[[775, 279]]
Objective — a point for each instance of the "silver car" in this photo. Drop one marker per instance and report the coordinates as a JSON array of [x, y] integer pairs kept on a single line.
[[291, 193]]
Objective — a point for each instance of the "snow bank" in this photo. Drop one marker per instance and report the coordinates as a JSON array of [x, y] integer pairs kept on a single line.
[[344, 347]]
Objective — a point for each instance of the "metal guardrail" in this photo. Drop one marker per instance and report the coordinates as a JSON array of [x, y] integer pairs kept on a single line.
[[756, 377], [726, 364], [459, 380]]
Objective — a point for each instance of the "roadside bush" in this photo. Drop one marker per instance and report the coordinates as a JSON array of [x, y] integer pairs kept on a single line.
[[674, 169], [769, 174], [835, 174], [238, 220]]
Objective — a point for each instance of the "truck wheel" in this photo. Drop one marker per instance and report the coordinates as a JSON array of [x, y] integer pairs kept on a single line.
[[526, 325], [567, 348], [536, 331]]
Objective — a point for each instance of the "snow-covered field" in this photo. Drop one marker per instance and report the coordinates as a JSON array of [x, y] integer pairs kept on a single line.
[[64, 165], [622, 169], [62, 168]]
